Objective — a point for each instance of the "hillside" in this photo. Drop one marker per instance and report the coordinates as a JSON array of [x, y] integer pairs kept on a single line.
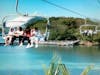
[[63, 28]]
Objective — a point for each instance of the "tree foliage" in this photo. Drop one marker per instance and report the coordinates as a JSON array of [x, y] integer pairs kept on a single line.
[[63, 28]]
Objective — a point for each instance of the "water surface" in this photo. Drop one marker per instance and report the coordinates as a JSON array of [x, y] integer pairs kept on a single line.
[[20, 60]]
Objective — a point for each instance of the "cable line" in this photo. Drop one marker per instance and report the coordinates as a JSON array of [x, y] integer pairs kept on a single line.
[[66, 9], [98, 1]]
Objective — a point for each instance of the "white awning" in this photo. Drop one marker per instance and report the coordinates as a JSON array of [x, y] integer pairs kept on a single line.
[[19, 21]]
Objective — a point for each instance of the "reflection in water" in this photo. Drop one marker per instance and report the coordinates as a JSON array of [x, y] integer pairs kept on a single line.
[[21, 60]]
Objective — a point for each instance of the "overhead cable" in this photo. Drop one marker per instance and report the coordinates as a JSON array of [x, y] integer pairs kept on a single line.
[[66, 9]]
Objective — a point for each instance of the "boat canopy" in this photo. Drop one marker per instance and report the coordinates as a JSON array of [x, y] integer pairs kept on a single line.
[[21, 20]]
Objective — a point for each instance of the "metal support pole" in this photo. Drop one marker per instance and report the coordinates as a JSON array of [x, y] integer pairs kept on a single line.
[[17, 4], [85, 20]]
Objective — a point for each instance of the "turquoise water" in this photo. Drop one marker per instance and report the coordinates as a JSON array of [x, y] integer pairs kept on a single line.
[[16, 60]]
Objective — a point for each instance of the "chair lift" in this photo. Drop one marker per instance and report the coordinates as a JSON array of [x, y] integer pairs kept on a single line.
[[88, 25], [86, 30], [98, 28], [21, 20]]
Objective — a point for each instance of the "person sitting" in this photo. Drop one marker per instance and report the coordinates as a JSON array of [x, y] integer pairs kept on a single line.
[[85, 32], [17, 34], [8, 38], [26, 36], [90, 32], [34, 37]]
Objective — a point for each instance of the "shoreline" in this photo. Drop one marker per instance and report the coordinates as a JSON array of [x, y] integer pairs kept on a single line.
[[88, 43], [70, 43], [64, 43]]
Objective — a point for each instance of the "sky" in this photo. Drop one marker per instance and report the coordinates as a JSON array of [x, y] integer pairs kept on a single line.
[[88, 8]]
